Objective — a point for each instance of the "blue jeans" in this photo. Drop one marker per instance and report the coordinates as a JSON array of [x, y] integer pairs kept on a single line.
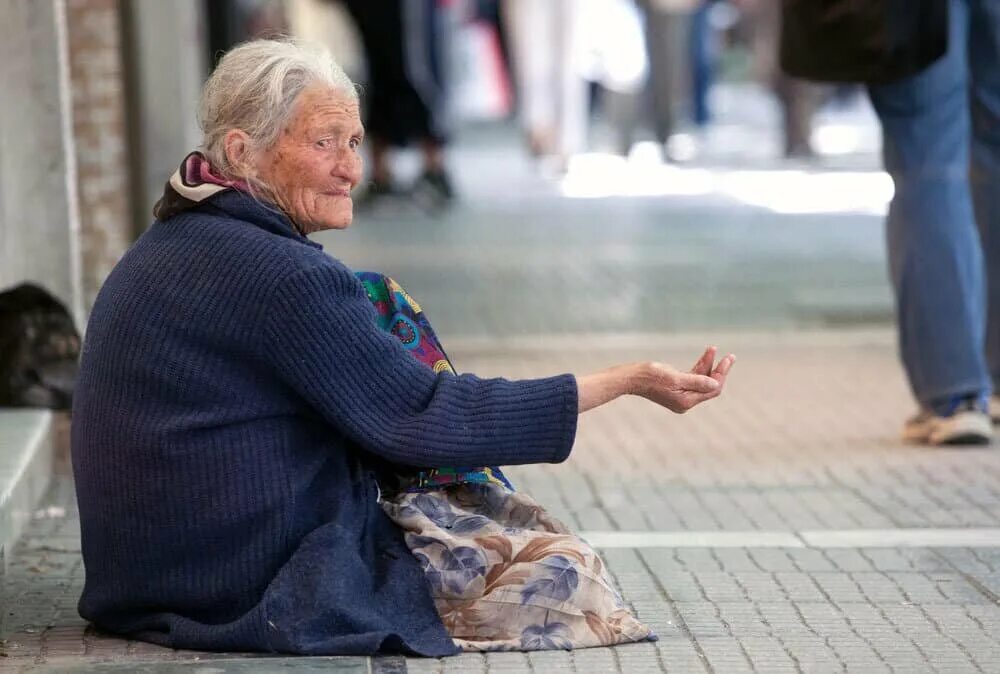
[[701, 51], [942, 148]]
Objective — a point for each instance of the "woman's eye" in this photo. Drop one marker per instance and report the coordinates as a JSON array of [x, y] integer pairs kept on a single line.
[[323, 143], [355, 143]]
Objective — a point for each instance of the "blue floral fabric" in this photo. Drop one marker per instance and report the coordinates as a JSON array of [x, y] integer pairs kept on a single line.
[[506, 575]]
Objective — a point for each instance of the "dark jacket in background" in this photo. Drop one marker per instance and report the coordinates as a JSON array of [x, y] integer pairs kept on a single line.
[[873, 41]]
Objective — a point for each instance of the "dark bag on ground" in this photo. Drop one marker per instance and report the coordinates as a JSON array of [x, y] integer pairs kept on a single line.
[[39, 349], [872, 41]]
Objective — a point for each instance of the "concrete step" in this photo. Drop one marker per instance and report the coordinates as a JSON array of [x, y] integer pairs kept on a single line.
[[27, 458]]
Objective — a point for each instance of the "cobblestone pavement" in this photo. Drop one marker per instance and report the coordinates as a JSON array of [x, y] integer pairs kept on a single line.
[[803, 441]]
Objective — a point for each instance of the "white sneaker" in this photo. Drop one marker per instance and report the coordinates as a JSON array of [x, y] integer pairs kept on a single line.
[[968, 424]]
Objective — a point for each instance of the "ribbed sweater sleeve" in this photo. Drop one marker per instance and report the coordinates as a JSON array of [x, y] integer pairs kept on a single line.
[[321, 336]]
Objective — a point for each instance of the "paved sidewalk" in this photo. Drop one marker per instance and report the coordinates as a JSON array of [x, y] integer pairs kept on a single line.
[[755, 514]]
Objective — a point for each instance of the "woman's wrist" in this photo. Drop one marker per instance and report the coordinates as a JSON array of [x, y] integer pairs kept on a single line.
[[602, 387], [636, 378]]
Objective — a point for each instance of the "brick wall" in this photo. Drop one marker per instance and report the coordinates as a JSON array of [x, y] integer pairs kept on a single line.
[[100, 135]]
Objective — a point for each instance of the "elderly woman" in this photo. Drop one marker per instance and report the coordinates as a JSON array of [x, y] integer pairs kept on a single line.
[[245, 399]]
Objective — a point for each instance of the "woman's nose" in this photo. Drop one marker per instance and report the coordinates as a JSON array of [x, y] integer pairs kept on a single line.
[[350, 169]]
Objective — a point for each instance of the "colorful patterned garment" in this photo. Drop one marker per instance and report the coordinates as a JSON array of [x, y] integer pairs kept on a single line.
[[504, 574], [399, 314]]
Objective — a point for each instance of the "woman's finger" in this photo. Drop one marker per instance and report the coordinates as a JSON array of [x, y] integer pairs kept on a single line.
[[719, 374], [697, 383], [704, 363], [722, 369]]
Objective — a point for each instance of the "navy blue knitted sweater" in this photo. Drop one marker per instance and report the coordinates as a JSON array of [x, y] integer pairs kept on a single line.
[[234, 402]]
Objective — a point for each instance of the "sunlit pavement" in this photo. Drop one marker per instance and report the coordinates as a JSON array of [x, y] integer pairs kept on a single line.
[[782, 527]]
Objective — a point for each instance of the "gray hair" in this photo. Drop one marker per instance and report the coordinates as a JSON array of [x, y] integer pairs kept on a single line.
[[254, 88]]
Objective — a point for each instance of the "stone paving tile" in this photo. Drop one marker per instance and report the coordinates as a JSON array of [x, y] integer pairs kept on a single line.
[[725, 654], [595, 660], [681, 655], [467, 662]]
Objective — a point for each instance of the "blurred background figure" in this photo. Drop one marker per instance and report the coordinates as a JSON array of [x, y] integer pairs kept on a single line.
[[232, 21], [482, 90], [552, 95], [946, 274], [703, 53], [405, 46], [799, 98], [561, 52], [668, 28], [933, 71], [615, 64]]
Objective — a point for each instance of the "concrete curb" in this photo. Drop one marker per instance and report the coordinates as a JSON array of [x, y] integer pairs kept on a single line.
[[27, 459]]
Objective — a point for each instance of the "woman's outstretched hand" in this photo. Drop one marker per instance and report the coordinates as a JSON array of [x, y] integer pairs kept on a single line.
[[680, 391], [662, 384]]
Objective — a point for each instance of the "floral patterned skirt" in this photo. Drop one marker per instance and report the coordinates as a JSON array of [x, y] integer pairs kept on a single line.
[[506, 575]]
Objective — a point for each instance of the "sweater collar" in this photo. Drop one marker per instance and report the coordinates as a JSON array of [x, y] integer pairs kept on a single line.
[[241, 206]]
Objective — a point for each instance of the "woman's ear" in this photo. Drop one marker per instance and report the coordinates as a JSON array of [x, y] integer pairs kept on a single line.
[[237, 147]]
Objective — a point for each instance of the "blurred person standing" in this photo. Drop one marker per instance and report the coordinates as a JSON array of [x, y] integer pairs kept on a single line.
[[798, 97], [666, 25], [230, 22], [614, 57], [544, 36], [702, 54], [405, 45], [934, 72], [681, 47]]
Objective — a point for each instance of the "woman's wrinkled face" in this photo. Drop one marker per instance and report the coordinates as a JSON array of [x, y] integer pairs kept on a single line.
[[316, 161]]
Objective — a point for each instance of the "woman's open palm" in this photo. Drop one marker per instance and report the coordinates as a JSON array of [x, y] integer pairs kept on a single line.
[[680, 391]]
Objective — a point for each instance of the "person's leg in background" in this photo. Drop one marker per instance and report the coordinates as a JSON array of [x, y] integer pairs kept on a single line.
[[552, 96], [799, 101], [426, 39], [622, 112], [935, 258], [573, 101], [378, 25], [984, 66], [702, 54], [663, 70], [530, 28]]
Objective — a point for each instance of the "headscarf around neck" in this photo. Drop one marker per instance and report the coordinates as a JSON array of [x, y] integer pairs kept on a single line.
[[193, 182]]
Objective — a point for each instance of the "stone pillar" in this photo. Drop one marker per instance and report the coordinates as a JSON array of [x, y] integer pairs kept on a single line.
[[87, 146], [38, 212], [166, 58], [101, 138]]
